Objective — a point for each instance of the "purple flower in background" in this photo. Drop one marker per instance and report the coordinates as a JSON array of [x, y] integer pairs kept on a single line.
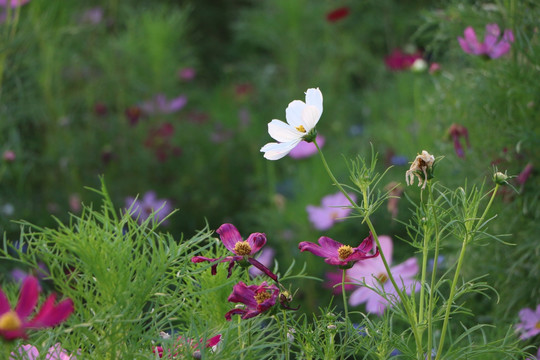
[[9, 156], [19, 275], [524, 175], [530, 323], [336, 253], [143, 208], [265, 257], [187, 73], [160, 105], [30, 352], [333, 208], [92, 16], [305, 149], [13, 3], [256, 298], [373, 272], [493, 46], [456, 131]]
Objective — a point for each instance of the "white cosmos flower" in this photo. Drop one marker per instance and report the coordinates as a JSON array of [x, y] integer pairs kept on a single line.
[[301, 120]]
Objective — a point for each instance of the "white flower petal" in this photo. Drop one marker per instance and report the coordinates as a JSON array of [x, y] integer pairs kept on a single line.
[[282, 132], [275, 151], [310, 117], [314, 98], [293, 113]]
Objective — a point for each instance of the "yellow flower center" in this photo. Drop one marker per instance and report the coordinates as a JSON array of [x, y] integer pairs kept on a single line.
[[537, 325], [262, 297], [10, 321], [242, 248], [382, 278], [301, 128], [344, 252]]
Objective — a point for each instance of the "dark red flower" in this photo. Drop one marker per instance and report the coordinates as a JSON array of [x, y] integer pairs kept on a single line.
[[399, 60], [159, 140], [15, 323], [133, 115], [338, 14], [457, 131]]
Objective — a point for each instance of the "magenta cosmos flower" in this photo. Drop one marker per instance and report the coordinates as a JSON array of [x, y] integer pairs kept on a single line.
[[493, 46], [13, 3], [338, 254], [374, 274], [148, 205], [456, 131], [15, 323], [333, 208], [530, 323], [181, 342], [256, 298], [243, 251], [160, 105], [30, 352]]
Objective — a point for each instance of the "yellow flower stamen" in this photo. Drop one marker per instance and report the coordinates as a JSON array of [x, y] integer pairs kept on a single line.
[[242, 248], [10, 321], [262, 297], [344, 252], [382, 278], [537, 325], [301, 128]]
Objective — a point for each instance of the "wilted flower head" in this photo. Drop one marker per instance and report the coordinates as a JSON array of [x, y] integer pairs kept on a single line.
[[333, 208], [305, 149], [14, 323], [243, 251], [456, 131], [336, 253], [373, 272], [530, 322], [301, 121], [422, 165], [30, 352], [143, 208], [493, 46], [256, 298]]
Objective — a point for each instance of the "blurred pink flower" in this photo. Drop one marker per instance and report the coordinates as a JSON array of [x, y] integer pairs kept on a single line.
[[493, 46], [333, 281], [524, 175], [160, 105], [530, 323], [14, 322], [187, 73], [456, 131], [434, 68], [13, 3], [92, 16], [141, 209], [265, 257], [333, 208], [336, 253], [9, 156], [305, 149], [30, 352], [256, 298], [374, 274], [398, 60]]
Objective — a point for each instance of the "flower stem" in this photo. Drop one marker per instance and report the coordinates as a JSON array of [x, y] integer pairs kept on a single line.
[[456, 276], [344, 294], [433, 272]]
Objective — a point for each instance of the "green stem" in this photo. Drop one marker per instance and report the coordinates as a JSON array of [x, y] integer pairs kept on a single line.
[[345, 306], [456, 276], [433, 272], [427, 235]]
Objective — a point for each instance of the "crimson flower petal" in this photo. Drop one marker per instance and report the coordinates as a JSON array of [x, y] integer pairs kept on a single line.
[[256, 241], [229, 235], [28, 297], [51, 315]]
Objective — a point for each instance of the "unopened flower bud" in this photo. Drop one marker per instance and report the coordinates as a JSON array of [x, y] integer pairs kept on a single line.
[[331, 327], [419, 65], [500, 178]]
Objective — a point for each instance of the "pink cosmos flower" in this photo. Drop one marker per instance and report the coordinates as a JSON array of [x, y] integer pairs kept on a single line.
[[305, 149], [15, 323], [30, 352], [143, 208], [187, 73], [333, 281], [456, 131], [13, 3], [243, 250], [374, 274], [160, 105], [333, 209], [493, 46], [530, 323], [256, 298], [9, 156], [92, 16], [180, 342], [336, 253]]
